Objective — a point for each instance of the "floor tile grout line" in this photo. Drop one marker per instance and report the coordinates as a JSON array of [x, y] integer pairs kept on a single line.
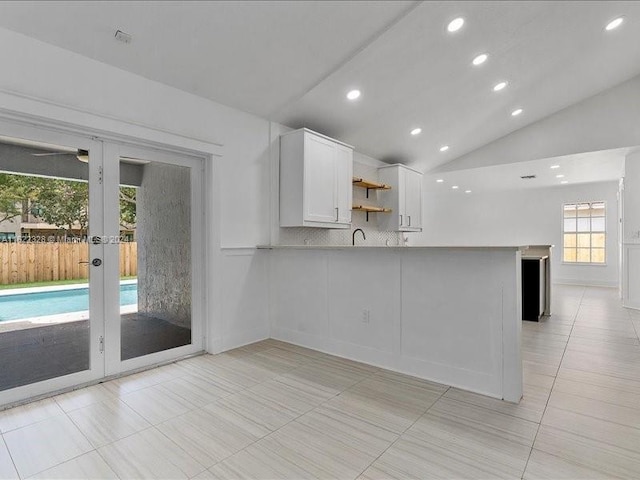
[[553, 384], [401, 435], [33, 423], [97, 450], [6, 446], [119, 398], [293, 420], [366, 377], [155, 427], [634, 327]]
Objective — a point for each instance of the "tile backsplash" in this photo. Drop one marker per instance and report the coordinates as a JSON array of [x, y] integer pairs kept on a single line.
[[324, 236]]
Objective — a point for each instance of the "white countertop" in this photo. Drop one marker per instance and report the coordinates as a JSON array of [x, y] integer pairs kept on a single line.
[[384, 247]]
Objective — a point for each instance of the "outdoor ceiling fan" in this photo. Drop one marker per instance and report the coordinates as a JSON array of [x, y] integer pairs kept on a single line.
[[82, 155]]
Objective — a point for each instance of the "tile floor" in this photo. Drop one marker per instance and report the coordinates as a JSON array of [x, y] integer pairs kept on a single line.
[[274, 410]]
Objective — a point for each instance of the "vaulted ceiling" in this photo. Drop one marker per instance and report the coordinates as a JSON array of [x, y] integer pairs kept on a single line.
[[294, 62]]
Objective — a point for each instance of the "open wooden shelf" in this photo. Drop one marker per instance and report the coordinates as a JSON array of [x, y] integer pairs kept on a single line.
[[370, 209], [370, 185]]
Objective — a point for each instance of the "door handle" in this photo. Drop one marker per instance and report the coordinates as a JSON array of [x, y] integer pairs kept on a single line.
[[96, 262]]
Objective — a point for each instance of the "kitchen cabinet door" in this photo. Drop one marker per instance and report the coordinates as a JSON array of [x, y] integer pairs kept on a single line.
[[320, 187], [344, 177], [413, 200], [404, 199], [315, 181]]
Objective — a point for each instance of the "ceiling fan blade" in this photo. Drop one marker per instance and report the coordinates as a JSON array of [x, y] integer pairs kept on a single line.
[[50, 154]]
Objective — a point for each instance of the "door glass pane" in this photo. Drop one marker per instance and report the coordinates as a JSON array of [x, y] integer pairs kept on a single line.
[[569, 239], [44, 284], [584, 224], [584, 240], [597, 240], [155, 257], [597, 255], [584, 210], [570, 211], [584, 255], [597, 224], [569, 224], [569, 255]]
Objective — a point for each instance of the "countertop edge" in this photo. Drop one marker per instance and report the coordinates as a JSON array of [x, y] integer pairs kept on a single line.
[[391, 247]]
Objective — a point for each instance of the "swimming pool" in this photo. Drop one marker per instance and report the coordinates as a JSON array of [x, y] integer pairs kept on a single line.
[[54, 302]]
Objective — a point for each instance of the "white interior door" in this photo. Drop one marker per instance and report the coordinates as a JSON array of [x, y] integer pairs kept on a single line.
[[154, 256], [52, 274]]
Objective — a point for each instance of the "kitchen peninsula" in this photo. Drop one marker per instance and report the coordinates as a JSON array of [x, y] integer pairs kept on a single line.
[[447, 314]]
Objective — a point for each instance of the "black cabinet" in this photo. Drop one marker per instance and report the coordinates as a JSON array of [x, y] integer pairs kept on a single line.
[[534, 288]]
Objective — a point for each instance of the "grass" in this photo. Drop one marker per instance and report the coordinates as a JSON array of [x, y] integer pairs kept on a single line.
[[51, 283]]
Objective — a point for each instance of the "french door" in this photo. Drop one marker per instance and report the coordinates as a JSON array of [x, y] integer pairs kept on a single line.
[[153, 256], [101, 249]]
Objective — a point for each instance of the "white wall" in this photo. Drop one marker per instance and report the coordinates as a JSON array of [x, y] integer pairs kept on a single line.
[[521, 217], [72, 89], [631, 232], [451, 315]]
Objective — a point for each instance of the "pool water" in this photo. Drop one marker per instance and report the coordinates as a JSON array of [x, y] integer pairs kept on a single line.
[[28, 305]]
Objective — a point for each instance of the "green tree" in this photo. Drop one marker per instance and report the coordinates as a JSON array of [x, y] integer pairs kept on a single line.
[[128, 207], [63, 203], [13, 190]]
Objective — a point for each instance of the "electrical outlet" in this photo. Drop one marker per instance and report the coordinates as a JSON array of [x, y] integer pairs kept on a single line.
[[366, 315]]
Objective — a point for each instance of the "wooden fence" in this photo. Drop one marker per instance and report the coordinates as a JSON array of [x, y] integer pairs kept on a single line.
[[43, 262]]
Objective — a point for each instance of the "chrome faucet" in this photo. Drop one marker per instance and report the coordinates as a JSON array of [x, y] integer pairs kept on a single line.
[[353, 237]]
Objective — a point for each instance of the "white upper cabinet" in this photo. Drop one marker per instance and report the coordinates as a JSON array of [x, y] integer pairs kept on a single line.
[[315, 181], [404, 199]]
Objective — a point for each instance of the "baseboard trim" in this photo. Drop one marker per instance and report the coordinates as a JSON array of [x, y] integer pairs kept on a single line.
[[632, 305], [240, 339], [585, 283], [477, 382]]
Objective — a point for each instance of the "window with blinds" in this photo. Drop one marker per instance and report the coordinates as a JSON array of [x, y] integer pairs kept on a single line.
[[584, 233]]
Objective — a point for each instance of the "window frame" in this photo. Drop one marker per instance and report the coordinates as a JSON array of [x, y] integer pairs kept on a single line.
[[605, 231]]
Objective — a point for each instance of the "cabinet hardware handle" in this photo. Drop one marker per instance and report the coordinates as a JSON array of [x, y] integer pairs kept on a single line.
[[337, 214], [409, 216], [401, 220]]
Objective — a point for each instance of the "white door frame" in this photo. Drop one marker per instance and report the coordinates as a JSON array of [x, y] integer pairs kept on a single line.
[[112, 154], [102, 145], [96, 281]]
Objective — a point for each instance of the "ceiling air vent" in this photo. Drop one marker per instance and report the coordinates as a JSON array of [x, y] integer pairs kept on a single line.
[[528, 177]]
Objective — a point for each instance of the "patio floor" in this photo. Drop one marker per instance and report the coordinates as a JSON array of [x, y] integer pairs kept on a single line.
[[41, 353]]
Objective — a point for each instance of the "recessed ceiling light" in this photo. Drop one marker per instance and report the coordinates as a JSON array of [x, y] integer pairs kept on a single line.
[[613, 24], [480, 59], [416, 131], [440, 180], [516, 112], [467, 191], [353, 94], [455, 24], [564, 181], [560, 176], [444, 148], [455, 187], [499, 86], [554, 166]]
